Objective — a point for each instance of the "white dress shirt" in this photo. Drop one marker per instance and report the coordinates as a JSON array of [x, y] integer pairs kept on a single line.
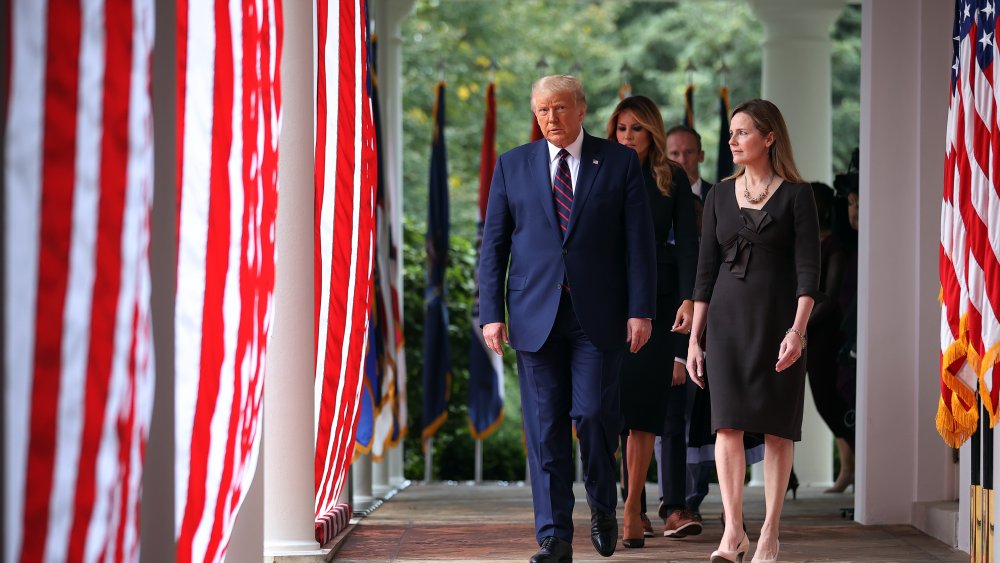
[[575, 149]]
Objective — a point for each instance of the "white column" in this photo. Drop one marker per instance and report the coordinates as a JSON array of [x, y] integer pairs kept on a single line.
[[361, 482], [380, 478], [395, 461], [158, 486], [247, 541], [289, 425], [389, 16], [904, 101], [796, 77]]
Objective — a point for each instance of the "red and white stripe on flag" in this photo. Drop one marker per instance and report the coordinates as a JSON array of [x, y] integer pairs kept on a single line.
[[229, 115], [970, 228], [345, 179], [78, 373]]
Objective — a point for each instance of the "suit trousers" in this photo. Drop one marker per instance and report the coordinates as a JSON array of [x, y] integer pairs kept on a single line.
[[569, 381], [671, 451]]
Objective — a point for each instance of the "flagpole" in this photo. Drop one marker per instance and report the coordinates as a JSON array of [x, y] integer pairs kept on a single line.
[[975, 493], [428, 458], [987, 505], [478, 472]]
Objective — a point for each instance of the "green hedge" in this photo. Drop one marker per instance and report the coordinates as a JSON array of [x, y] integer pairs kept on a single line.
[[454, 449]]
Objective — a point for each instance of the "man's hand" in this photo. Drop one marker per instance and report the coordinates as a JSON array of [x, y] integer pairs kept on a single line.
[[638, 333], [494, 334], [680, 374]]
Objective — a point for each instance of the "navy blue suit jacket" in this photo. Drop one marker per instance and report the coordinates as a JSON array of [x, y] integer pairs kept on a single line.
[[608, 257]]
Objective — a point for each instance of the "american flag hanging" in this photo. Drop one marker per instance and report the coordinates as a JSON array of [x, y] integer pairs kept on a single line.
[[78, 180], [970, 227], [345, 180], [228, 113]]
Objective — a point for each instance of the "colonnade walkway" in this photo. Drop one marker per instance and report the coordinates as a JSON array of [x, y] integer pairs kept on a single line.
[[493, 522]]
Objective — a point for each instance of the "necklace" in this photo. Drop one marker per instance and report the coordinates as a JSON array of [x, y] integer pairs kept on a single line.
[[763, 195]]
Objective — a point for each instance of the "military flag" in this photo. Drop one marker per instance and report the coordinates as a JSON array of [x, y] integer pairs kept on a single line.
[[437, 352], [486, 393]]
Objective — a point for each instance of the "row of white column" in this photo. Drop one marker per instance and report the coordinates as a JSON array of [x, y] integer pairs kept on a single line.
[[894, 470], [289, 417], [277, 516]]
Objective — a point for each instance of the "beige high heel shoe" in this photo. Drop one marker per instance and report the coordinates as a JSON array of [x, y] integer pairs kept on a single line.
[[756, 560], [723, 556]]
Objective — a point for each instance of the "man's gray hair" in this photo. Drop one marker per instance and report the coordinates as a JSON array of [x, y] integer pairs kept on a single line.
[[557, 84]]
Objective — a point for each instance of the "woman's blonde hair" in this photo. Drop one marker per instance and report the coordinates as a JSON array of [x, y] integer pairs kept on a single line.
[[648, 116], [767, 118]]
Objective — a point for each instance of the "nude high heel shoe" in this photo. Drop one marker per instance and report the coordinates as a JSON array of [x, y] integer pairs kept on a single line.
[[723, 556], [758, 560], [633, 535]]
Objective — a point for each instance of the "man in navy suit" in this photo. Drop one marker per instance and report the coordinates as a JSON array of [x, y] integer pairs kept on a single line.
[[570, 238]]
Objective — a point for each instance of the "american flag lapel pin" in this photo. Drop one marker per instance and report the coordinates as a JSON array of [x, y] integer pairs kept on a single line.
[[595, 161]]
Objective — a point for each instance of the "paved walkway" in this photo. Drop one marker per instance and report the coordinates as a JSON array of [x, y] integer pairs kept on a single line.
[[493, 522]]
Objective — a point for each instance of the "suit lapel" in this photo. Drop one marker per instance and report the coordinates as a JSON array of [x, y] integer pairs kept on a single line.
[[542, 176], [590, 163]]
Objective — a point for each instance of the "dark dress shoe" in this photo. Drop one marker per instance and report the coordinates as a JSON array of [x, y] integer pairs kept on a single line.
[[603, 532], [553, 550]]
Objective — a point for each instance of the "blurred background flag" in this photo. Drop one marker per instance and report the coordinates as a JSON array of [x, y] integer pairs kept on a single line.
[[363, 433], [625, 90], [486, 392], [536, 131], [388, 335], [437, 352], [689, 105], [724, 162]]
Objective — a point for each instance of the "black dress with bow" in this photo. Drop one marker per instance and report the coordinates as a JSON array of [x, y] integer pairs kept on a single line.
[[752, 267]]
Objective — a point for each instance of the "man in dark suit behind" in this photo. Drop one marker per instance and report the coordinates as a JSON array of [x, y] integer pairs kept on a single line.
[[580, 273]]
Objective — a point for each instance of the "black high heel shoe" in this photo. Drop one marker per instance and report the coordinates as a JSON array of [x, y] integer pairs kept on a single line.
[[793, 485]]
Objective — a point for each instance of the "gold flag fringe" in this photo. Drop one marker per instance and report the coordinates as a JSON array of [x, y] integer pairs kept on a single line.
[[956, 422]]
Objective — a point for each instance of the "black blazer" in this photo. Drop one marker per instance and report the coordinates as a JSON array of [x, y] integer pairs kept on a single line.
[[676, 261]]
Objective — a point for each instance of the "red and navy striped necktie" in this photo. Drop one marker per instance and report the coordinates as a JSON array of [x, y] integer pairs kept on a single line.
[[562, 191]]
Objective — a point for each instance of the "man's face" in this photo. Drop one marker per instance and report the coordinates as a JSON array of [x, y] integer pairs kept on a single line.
[[682, 148], [559, 117]]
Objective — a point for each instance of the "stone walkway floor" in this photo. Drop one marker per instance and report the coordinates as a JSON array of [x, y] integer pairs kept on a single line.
[[493, 522]]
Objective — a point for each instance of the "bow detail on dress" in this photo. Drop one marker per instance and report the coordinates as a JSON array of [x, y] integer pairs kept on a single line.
[[736, 250]]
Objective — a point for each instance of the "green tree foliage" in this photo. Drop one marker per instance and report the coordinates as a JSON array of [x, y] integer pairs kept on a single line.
[[846, 71], [455, 40]]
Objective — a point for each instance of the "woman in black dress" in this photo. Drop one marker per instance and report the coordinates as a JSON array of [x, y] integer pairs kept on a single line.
[[758, 272], [652, 385]]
